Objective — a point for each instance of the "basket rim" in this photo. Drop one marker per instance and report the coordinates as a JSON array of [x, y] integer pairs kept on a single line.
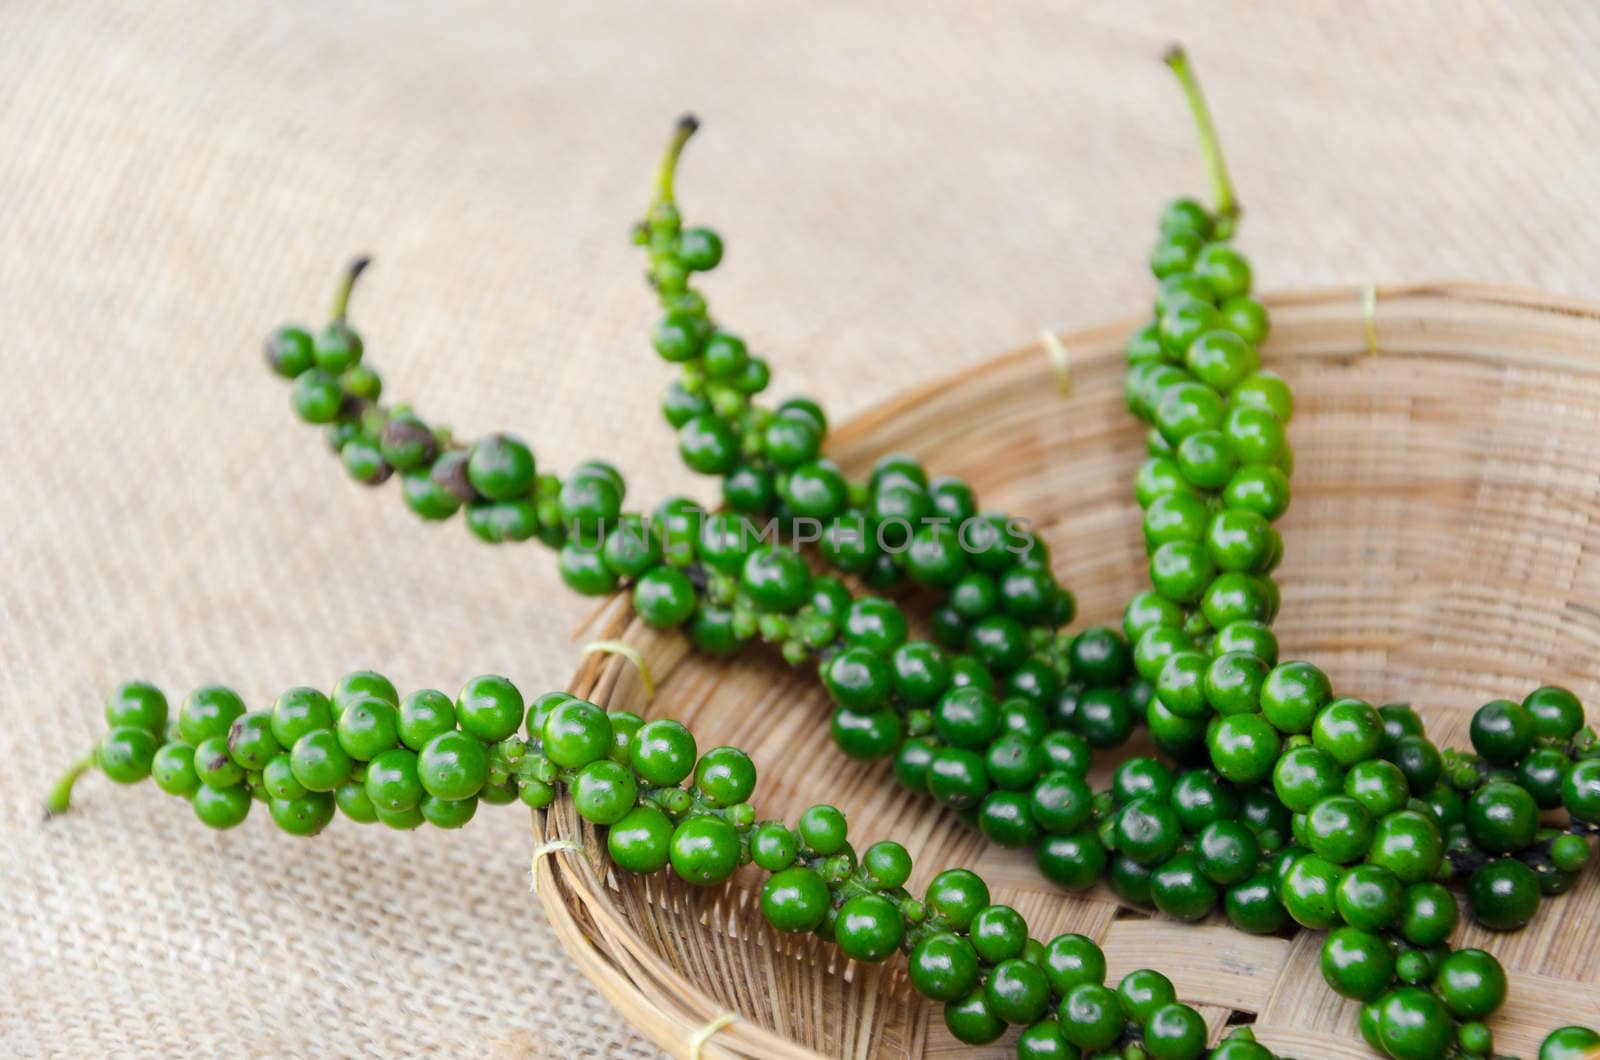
[[687, 1024], [1467, 292]]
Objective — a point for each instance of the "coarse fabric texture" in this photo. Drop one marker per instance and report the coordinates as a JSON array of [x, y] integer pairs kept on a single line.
[[905, 187]]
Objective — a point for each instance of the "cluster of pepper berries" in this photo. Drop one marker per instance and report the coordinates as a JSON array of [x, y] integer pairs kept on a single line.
[[985, 721], [428, 758], [1289, 804]]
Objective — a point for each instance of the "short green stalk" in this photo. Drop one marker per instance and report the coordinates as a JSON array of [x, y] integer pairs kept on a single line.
[[669, 161], [1227, 204], [341, 297], [60, 797]]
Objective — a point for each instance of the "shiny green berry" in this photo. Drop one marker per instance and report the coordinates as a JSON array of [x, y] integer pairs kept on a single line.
[[453, 766], [172, 767], [392, 782], [299, 711], [367, 727], [603, 792], [704, 850], [663, 753], [501, 467], [868, 928], [576, 733], [221, 807], [640, 841], [208, 711], [795, 899], [942, 967], [1471, 983], [126, 754], [138, 705], [725, 776]]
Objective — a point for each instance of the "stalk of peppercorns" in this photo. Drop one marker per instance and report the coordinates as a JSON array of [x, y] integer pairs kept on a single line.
[[994, 588], [1377, 816], [428, 758]]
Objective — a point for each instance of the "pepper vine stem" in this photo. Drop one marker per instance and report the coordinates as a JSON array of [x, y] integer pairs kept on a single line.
[[60, 798], [669, 162], [1227, 204], [341, 297]]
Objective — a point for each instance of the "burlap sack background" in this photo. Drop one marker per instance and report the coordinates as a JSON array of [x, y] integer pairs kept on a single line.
[[905, 188]]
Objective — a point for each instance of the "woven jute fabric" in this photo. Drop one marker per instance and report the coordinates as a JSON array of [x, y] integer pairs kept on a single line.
[[904, 187]]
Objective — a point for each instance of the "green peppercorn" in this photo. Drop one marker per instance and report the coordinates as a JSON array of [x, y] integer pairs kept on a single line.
[[453, 765], [1503, 895], [1371, 898], [138, 705], [1147, 830], [725, 776], [970, 1020], [426, 713], [1181, 889], [1569, 1043], [1408, 844], [172, 766], [221, 807], [1091, 1016], [208, 711], [1414, 1023], [354, 803], [957, 777], [297, 712], [316, 398], [704, 850], [1348, 730], [501, 467], [1308, 891], [306, 815], [1502, 817], [575, 733], [1228, 851], [368, 726], [794, 899], [126, 754], [1243, 747], [943, 967], [1555, 712], [289, 350], [663, 752], [1580, 791], [392, 782], [1502, 731], [1357, 963], [603, 792], [1253, 905], [869, 928]]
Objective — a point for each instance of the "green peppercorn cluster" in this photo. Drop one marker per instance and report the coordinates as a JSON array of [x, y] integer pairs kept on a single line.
[[1530, 757], [1289, 805], [360, 748], [1215, 481], [496, 480], [1338, 841], [1377, 817], [991, 575], [1371, 806], [979, 721], [428, 758]]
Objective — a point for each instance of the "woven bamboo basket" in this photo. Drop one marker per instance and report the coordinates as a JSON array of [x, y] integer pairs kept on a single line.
[[1443, 548]]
